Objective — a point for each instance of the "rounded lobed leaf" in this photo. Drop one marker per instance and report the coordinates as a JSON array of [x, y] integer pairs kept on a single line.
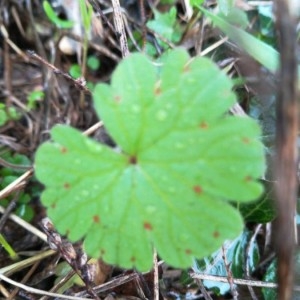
[[180, 158]]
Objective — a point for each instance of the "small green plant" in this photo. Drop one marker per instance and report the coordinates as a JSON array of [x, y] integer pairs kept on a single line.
[[12, 114], [180, 159], [33, 98], [166, 25], [8, 114], [7, 176], [10, 251], [86, 11], [93, 63], [75, 71], [51, 14]]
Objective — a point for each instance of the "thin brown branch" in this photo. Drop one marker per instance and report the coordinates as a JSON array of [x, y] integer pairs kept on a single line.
[[286, 147], [79, 83]]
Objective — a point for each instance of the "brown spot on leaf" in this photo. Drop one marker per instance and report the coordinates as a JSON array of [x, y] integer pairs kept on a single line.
[[102, 252], [67, 185], [63, 150], [216, 234], [67, 232], [197, 189], [248, 178], [246, 140], [186, 69], [148, 226], [188, 251], [53, 205], [117, 98], [133, 160], [133, 259], [96, 219], [203, 125], [157, 91]]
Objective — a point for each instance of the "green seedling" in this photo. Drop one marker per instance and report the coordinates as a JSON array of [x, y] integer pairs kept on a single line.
[[33, 98], [93, 62], [11, 252], [86, 11], [180, 159], [166, 25], [8, 114], [75, 71], [86, 14], [52, 16], [9, 175]]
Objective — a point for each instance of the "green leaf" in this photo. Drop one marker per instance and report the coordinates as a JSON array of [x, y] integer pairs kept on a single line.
[[262, 52], [93, 62], [8, 248], [271, 276], [266, 22], [237, 17], [25, 211], [165, 24], [34, 97], [225, 6], [86, 11], [260, 211], [75, 71], [196, 2], [180, 157], [65, 24], [3, 117], [168, 2], [235, 254]]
